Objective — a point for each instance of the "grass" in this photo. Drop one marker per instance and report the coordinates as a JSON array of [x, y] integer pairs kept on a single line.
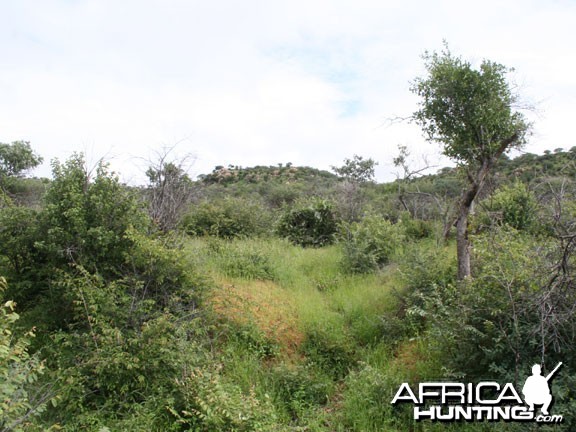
[[306, 334]]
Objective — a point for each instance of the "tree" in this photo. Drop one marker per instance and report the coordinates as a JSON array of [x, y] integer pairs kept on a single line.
[[472, 113], [15, 160], [357, 169], [169, 190]]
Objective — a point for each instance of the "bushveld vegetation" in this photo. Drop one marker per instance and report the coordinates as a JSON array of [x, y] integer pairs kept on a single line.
[[277, 298]]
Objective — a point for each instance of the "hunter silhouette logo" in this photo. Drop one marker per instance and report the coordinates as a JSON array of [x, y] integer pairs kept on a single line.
[[486, 400], [536, 390]]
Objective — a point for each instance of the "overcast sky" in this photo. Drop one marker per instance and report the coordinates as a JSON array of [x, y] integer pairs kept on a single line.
[[262, 82]]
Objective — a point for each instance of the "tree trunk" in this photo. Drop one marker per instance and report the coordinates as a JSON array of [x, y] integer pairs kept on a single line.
[[466, 203], [463, 244]]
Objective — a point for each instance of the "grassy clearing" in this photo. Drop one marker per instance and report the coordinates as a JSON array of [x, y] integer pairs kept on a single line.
[[306, 334], [305, 287]]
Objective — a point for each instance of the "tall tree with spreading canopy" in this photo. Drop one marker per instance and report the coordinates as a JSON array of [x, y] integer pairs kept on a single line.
[[472, 113]]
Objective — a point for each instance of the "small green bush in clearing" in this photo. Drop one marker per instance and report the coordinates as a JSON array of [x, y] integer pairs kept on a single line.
[[369, 244], [416, 228], [311, 224], [228, 218]]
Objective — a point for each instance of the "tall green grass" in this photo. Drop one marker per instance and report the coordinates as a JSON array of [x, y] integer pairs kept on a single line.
[[345, 370]]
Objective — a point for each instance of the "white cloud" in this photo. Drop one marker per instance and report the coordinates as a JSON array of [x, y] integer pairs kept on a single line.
[[250, 82]]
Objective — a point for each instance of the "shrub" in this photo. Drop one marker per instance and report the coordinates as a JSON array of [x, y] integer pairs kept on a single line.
[[494, 323], [207, 402], [20, 403], [422, 267], [424, 271], [85, 219], [18, 233], [122, 348], [228, 218], [309, 224], [369, 244], [514, 205], [416, 228], [518, 206]]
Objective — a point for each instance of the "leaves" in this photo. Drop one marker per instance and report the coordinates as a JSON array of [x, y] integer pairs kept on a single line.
[[18, 371], [470, 111]]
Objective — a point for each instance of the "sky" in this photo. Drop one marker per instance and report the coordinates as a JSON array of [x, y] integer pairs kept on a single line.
[[257, 82]]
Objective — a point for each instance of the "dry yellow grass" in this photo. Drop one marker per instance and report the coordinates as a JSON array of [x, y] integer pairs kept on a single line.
[[263, 304]]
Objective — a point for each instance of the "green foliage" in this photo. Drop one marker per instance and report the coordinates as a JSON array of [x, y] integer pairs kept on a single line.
[[366, 400], [227, 218], [416, 229], [126, 341], [27, 192], [529, 167], [280, 195], [127, 346], [469, 111], [85, 222], [309, 224], [18, 233], [85, 219], [424, 270], [20, 403], [16, 158], [357, 169], [300, 388], [207, 402], [515, 205], [369, 244], [280, 174], [425, 265], [252, 340], [494, 323]]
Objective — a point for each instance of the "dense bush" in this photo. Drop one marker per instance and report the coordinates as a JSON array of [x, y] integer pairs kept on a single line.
[[227, 218], [369, 244], [512, 205], [116, 303], [86, 217], [309, 224], [423, 266], [495, 322], [207, 402], [416, 229], [20, 402]]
